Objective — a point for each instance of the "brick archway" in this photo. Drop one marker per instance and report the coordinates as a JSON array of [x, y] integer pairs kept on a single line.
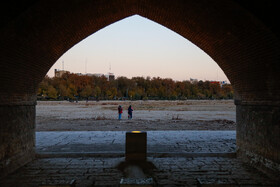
[[236, 35]]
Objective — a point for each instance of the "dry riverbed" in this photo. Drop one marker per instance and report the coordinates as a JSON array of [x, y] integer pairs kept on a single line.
[[147, 115]]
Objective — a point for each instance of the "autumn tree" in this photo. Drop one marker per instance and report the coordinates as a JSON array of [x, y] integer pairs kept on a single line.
[[52, 93], [71, 91], [97, 92], [81, 86], [86, 91]]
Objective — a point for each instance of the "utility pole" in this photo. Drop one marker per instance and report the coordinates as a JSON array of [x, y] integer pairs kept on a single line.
[[62, 65]]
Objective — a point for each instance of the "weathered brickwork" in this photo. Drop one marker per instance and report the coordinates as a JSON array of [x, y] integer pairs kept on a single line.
[[258, 140], [241, 37], [246, 50], [17, 132]]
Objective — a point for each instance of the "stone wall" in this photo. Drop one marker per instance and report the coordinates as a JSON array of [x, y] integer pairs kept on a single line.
[[17, 136], [258, 135], [241, 37]]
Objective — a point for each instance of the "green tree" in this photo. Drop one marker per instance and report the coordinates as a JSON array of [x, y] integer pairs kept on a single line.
[[52, 93], [97, 92], [62, 90], [71, 91], [86, 92]]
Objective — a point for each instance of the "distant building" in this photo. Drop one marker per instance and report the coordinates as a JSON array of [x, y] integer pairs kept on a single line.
[[110, 76], [193, 80], [98, 74], [215, 82], [58, 73], [89, 74], [220, 83]]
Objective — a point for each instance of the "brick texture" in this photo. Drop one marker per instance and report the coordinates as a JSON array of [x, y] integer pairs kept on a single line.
[[257, 137], [241, 37], [17, 132]]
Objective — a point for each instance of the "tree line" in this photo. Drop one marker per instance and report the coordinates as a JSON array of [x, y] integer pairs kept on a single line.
[[72, 86]]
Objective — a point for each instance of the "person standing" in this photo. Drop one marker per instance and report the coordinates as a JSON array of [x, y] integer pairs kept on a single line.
[[120, 112], [129, 112]]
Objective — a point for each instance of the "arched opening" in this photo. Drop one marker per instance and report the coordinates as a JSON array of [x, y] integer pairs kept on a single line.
[[244, 45], [135, 47]]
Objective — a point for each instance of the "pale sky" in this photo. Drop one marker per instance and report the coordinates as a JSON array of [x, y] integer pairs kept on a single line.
[[137, 46]]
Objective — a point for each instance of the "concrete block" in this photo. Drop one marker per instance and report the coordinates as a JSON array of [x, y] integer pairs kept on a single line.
[[136, 146]]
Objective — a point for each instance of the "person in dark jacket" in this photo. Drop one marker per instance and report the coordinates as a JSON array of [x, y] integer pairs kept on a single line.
[[129, 111], [120, 111]]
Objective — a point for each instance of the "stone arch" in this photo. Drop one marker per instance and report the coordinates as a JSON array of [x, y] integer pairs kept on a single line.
[[241, 41]]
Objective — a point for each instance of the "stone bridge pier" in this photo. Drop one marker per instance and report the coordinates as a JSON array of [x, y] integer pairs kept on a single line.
[[257, 135], [17, 132], [241, 36]]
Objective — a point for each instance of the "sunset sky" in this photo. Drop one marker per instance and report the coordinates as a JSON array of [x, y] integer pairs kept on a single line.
[[137, 46]]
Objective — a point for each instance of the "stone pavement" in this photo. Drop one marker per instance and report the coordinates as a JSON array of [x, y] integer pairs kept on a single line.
[[181, 158], [171, 171], [113, 142]]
